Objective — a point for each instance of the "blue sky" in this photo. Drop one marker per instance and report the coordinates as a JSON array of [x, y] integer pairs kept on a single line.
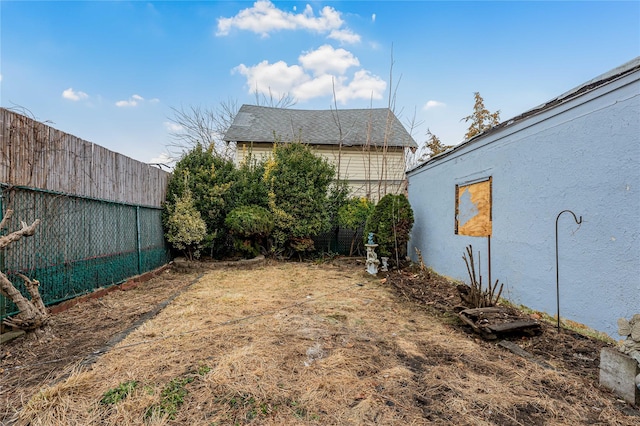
[[110, 71]]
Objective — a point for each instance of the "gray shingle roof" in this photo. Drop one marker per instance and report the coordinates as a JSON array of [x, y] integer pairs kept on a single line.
[[319, 127]]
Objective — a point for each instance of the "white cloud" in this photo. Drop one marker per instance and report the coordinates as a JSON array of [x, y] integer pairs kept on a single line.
[[326, 59], [363, 86], [133, 101], [278, 78], [263, 18], [124, 104], [318, 87], [345, 36], [373, 17], [72, 95], [172, 127], [433, 104], [320, 73]]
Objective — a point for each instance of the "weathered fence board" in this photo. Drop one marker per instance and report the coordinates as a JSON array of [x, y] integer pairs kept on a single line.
[[35, 155]]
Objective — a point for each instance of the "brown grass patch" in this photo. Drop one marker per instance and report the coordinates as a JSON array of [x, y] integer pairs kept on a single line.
[[26, 364], [291, 344]]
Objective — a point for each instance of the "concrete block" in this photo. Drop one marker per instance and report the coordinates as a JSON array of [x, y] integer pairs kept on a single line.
[[618, 372]]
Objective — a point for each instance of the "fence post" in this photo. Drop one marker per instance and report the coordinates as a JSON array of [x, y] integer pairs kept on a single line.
[[138, 239]]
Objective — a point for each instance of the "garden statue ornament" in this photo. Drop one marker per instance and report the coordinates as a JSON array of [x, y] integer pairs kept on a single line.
[[372, 257], [370, 239], [385, 263]]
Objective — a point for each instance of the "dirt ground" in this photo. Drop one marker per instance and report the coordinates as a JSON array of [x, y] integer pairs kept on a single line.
[[297, 343], [567, 350]]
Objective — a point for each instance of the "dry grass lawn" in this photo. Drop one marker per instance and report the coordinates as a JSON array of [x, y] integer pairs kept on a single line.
[[298, 344]]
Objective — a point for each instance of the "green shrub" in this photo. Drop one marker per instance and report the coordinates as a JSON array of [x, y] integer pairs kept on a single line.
[[294, 185], [355, 212], [391, 222], [248, 221], [353, 215], [338, 197], [249, 188], [298, 182], [250, 226], [184, 226], [209, 178]]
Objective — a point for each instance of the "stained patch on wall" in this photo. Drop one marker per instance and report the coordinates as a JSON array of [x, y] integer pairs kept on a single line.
[[473, 209]]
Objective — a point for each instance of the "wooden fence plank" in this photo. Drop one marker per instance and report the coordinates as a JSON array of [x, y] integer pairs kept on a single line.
[[36, 155]]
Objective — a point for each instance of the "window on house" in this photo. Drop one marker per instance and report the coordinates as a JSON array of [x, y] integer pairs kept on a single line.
[[473, 209]]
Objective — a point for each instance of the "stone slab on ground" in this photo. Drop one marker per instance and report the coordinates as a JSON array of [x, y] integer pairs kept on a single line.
[[10, 335], [618, 372]]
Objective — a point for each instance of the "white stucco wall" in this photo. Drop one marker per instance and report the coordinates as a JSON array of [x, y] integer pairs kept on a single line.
[[582, 155]]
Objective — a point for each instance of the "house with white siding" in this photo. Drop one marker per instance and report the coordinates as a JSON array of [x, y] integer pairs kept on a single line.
[[367, 146], [512, 193]]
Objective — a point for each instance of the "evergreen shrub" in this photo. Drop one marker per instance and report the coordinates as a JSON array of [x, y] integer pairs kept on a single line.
[[391, 222], [298, 182], [250, 226]]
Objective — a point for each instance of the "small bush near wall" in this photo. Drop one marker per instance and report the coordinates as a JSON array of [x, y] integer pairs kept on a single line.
[[391, 223], [209, 179], [353, 215], [184, 226]]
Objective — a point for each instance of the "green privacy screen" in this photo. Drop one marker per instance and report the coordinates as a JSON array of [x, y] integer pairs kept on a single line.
[[81, 243]]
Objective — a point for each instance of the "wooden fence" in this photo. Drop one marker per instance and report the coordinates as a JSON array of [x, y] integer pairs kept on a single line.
[[33, 154]]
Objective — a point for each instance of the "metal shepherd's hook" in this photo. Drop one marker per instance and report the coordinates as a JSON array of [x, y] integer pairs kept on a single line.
[[578, 221]]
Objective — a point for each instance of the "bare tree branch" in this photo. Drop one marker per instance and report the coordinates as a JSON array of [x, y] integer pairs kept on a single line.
[[5, 219], [206, 126], [33, 313], [285, 100], [26, 231], [411, 155], [200, 125], [32, 288]]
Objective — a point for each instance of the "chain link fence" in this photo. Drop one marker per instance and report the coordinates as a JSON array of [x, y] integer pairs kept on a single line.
[[81, 243], [341, 241]]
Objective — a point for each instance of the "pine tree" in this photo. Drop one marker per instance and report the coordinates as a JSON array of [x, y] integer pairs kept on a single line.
[[481, 118], [433, 146]]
